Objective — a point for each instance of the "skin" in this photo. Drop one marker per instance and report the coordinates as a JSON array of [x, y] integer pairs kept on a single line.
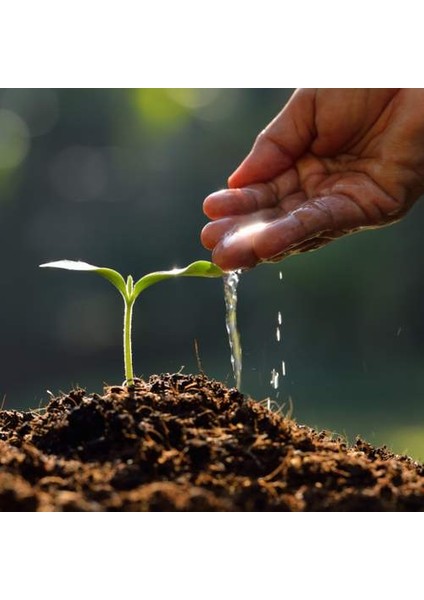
[[333, 161]]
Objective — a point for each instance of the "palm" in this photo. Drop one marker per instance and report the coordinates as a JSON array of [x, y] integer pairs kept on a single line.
[[331, 163]]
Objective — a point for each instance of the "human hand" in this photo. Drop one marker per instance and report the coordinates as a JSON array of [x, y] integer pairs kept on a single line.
[[332, 162]]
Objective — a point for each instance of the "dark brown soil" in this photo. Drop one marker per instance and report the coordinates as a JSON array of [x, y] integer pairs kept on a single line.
[[181, 442]]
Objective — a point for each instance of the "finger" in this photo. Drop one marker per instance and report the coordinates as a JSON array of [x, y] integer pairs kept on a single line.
[[283, 141], [308, 246], [213, 232], [251, 199], [231, 254], [327, 215], [239, 201], [242, 258], [324, 218]]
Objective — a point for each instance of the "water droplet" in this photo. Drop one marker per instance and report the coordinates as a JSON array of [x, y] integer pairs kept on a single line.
[[274, 379], [280, 275], [278, 334], [283, 368], [279, 318]]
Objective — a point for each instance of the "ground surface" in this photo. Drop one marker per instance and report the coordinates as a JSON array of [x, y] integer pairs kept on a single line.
[[181, 442]]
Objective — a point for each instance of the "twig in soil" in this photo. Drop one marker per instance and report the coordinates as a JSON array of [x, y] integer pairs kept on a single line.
[[197, 353]]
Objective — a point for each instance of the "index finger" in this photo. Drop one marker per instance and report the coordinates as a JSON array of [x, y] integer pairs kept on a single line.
[[251, 199], [239, 201]]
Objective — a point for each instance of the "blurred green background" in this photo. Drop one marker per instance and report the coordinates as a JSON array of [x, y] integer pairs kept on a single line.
[[117, 178]]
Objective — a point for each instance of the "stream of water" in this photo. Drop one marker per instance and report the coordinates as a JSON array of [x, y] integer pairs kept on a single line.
[[231, 281]]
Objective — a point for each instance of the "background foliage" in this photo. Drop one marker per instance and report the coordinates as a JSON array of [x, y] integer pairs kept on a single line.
[[117, 178]]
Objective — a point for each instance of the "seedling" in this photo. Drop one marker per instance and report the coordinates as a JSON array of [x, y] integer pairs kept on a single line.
[[130, 291]]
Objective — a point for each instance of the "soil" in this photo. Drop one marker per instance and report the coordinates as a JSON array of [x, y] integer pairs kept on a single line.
[[187, 443]]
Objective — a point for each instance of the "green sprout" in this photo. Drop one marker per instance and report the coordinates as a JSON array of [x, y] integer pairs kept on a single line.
[[130, 291]]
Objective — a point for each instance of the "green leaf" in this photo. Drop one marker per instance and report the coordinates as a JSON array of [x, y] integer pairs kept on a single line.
[[200, 268], [77, 265]]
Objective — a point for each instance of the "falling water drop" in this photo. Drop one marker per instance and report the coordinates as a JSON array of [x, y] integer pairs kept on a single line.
[[274, 379], [275, 375]]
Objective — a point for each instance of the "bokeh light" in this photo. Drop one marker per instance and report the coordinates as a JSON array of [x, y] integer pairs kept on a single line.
[[37, 107], [14, 139], [160, 110], [78, 173]]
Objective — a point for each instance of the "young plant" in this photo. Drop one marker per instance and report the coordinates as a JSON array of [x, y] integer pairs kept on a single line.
[[130, 291]]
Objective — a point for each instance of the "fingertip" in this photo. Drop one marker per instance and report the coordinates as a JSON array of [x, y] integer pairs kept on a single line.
[[206, 237], [226, 203], [206, 207], [235, 181], [216, 231], [231, 257], [233, 263], [265, 161], [209, 205]]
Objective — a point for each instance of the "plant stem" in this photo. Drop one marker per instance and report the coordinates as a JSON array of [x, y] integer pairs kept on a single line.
[[129, 375]]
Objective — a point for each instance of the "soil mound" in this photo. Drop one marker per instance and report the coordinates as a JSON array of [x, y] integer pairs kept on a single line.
[[187, 443]]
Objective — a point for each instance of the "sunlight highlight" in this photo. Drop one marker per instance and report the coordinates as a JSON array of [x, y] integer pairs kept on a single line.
[[244, 232]]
